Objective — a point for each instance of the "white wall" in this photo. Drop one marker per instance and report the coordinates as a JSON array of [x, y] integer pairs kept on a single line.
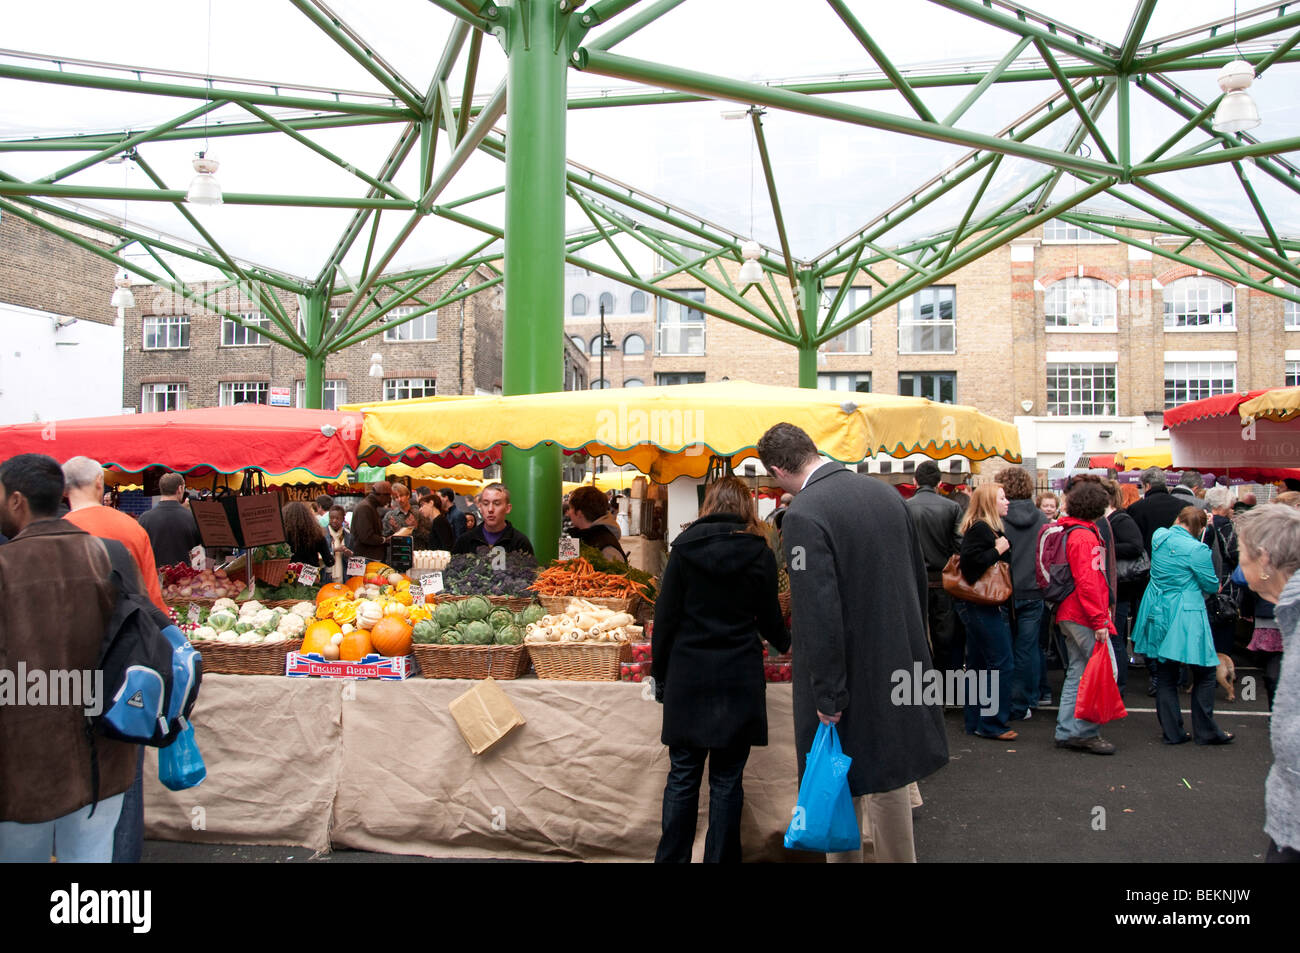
[[1046, 438], [48, 374]]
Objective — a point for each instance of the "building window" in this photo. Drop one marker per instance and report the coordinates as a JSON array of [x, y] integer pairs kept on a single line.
[[597, 345], [634, 382], [1291, 310], [927, 321], [166, 331], [671, 380], [244, 392], [334, 396], [1080, 303], [633, 345], [681, 328], [857, 339], [1081, 390], [1058, 231], [859, 381], [607, 302], [400, 388], [236, 335], [578, 305], [1192, 380], [601, 384], [423, 328], [1293, 373], [939, 386], [1199, 303], [160, 397], [638, 302], [579, 343]]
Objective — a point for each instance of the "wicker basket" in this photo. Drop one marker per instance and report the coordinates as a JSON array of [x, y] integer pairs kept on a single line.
[[555, 605], [580, 661], [513, 603], [272, 571], [783, 599], [471, 661], [227, 658]]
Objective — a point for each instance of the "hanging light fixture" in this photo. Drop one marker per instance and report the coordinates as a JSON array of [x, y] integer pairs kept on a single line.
[[1078, 315], [204, 190], [376, 364], [122, 296], [751, 272], [1237, 111]]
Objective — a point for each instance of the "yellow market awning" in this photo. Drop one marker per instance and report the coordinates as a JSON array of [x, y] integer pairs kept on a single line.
[[1280, 404], [667, 432], [1139, 458]]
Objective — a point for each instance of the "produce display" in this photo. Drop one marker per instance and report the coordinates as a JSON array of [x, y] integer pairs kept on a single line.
[[471, 575], [475, 621], [248, 623], [430, 560], [583, 622], [578, 577], [182, 581], [613, 567]]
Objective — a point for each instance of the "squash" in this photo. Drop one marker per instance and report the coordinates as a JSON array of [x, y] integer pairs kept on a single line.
[[318, 635], [332, 590], [355, 583], [368, 613], [355, 646], [391, 636], [383, 569], [402, 596], [342, 611], [394, 608], [419, 614]]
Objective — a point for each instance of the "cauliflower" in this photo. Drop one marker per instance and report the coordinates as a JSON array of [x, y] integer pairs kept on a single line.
[[223, 620], [275, 637], [228, 636], [304, 610], [292, 626], [225, 604], [203, 632], [250, 608], [249, 638], [266, 616]]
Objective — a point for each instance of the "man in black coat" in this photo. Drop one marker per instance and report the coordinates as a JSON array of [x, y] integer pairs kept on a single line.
[[937, 520], [1158, 508], [858, 594], [170, 525]]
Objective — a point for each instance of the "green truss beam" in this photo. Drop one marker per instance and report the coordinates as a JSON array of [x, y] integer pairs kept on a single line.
[[371, 62]]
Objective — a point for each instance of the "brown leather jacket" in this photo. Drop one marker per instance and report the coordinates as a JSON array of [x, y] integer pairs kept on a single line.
[[55, 600]]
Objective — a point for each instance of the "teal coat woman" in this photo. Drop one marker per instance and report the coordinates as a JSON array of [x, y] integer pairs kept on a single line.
[[1172, 623]]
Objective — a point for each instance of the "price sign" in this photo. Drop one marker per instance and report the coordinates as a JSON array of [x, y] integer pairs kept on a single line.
[[431, 582], [309, 575], [192, 614], [417, 595], [569, 547], [356, 565], [198, 558]]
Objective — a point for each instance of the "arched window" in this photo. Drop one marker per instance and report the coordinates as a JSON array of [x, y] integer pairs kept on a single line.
[[607, 302], [1080, 303], [579, 305], [595, 346], [1199, 302], [638, 302], [580, 343], [599, 385], [633, 345], [634, 382]]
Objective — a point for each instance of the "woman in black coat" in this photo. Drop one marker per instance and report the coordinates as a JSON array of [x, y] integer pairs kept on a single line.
[[1128, 595], [717, 601]]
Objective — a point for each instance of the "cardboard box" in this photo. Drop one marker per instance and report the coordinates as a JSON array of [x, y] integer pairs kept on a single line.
[[373, 666], [484, 715]]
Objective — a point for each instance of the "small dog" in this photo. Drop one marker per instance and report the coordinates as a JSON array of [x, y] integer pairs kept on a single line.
[[1227, 676]]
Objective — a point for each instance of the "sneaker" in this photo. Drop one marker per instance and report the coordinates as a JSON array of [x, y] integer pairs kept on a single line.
[[1045, 700], [1029, 713], [1096, 745]]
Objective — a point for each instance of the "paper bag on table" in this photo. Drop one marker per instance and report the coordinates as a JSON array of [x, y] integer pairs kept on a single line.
[[484, 715]]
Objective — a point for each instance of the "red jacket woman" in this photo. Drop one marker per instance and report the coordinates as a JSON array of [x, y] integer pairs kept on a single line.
[[1089, 603]]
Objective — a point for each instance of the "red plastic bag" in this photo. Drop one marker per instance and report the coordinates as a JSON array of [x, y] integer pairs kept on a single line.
[[1098, 700]]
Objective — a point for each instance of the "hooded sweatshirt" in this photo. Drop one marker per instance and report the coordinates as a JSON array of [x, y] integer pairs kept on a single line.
[[1021, 526]]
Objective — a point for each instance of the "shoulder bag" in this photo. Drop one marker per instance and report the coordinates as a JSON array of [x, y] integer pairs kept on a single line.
[[991, 589]]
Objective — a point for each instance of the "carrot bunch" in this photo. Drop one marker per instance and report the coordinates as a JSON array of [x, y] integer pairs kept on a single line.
[[578, 577]]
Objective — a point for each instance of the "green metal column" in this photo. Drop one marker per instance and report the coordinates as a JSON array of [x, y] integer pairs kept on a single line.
[[809, 297], [536, 90], [312, 308]]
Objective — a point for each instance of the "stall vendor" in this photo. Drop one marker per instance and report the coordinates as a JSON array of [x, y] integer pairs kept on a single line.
[[367, 528], [495, 530]]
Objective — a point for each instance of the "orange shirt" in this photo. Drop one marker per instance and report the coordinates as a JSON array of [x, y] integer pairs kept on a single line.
[[111, 524]]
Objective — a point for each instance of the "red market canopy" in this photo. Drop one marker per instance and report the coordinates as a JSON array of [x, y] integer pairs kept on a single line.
[[1219, 406], [1216, 435]]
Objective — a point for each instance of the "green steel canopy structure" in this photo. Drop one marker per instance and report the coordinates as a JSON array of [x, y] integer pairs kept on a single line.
[[370, 149]]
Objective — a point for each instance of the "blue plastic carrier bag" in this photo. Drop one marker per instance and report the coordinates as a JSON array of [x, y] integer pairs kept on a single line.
[[825, 819], [180, 765]]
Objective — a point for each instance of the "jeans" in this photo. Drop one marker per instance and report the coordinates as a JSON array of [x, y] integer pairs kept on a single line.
[[128, 838], [1120, 643], [1204, 728], [1078, 641], [1025, 687], [1045, 636], [682, 804], [988, 650], [73, 838]]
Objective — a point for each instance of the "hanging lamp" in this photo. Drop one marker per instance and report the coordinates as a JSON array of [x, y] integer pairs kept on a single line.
[[1237, 111], [204, 190], [751, 272], [122, 296]]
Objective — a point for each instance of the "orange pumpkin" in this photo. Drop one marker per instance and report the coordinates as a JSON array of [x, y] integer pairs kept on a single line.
[[391, 636], [355, 646], [355, 583], [318, 635], [332, 590]]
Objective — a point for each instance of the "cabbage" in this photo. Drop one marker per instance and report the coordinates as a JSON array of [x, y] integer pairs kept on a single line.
[[531, 614], [475, 608], [510, 635], [425, 632], [244, 626], [447, 614], [478, 632], [222, 620], [499, 618]]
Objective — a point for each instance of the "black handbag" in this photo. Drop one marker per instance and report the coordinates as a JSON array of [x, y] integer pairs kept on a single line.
[[1133, 570]]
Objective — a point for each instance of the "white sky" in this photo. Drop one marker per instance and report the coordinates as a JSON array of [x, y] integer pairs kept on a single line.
[[832, 177]]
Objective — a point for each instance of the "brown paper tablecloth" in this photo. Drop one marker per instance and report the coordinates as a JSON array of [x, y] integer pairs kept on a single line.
[[381, 766]]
